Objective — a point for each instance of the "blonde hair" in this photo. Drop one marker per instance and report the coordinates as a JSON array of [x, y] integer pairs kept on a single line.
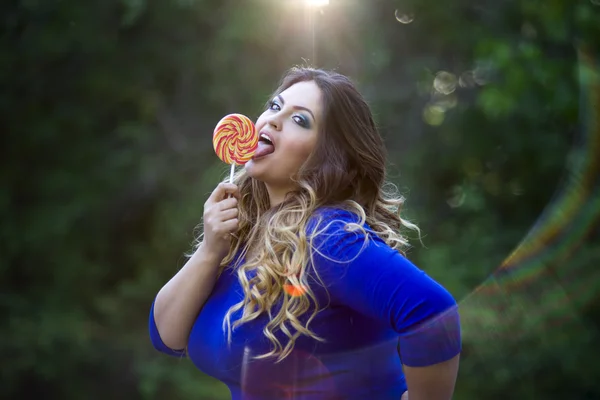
[[282, 251]]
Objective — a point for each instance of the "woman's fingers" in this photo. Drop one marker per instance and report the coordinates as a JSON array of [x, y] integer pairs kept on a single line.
[[228, 204], [229, 226], [222, 191], [231, 213], [213, 212]]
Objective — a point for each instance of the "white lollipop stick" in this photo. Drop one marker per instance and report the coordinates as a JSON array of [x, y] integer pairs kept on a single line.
[[231, 173]]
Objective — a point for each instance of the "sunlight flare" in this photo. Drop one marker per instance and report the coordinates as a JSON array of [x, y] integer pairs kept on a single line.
[[317, 3]]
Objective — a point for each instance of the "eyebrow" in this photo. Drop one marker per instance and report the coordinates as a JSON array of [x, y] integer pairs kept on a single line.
[[297, 107]]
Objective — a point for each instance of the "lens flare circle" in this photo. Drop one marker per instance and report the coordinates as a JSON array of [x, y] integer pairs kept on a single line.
[[445, 82], [404, 18]]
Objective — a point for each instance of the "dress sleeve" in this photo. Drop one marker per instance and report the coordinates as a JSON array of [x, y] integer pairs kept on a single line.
[[360, 271], [157, 341]]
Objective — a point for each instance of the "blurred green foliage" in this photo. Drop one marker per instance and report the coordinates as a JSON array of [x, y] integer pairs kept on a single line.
[[108, 109]]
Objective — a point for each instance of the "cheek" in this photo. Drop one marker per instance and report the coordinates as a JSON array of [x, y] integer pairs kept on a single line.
[[301, 149]]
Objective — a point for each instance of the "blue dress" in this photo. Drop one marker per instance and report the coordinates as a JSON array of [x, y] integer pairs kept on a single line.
[[382, 312]]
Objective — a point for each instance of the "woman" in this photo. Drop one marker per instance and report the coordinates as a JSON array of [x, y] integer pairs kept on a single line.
[[298, 288]]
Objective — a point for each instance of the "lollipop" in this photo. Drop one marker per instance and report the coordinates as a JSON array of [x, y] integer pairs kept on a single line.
[[235, 140]]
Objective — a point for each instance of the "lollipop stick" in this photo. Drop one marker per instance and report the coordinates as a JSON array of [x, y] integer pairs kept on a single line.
[[231, 173]]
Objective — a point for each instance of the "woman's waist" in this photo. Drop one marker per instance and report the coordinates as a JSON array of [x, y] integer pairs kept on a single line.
[[303, 375]]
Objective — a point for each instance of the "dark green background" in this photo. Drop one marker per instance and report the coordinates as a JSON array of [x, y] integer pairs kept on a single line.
[[107, 110]]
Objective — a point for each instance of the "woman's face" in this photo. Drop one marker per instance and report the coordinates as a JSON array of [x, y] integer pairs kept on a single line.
[[287, 134]]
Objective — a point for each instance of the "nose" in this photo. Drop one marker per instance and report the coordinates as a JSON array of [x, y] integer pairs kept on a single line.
[[274, 122]]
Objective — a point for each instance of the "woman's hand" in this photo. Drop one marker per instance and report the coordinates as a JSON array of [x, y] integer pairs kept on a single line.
[[220, 219], [404, 396]]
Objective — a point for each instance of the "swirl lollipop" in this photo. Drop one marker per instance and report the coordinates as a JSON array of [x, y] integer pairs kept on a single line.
[[235, 140]]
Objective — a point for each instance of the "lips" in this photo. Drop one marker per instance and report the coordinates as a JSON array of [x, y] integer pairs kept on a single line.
[[265, 145]]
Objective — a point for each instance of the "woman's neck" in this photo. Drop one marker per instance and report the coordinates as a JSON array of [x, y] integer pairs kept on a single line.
[[276, 194]]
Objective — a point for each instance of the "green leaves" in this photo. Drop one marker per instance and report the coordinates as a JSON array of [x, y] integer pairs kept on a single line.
[[108, 109]]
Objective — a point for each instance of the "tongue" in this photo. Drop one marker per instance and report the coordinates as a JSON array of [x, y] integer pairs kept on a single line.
[[263, 149]]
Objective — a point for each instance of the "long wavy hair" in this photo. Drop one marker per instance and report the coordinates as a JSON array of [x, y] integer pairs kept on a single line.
[[347, 170]]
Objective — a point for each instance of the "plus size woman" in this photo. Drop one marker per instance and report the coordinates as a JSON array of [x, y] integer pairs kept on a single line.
[[298, 287]]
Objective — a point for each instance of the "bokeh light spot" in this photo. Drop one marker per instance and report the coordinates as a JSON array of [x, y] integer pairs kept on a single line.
[[457, 197], [445, 82], [434, 115], [404, 18]]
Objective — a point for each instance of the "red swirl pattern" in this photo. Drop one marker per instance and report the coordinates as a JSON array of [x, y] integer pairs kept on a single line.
[[235, 139]]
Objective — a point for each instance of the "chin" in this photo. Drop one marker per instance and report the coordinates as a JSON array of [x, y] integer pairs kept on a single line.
[[265, 172], [254, 171]]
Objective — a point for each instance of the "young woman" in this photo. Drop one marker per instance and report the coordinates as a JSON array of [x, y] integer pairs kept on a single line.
[[298, 288]]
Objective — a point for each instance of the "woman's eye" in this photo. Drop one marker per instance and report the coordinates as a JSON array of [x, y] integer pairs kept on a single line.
[[300, 120]]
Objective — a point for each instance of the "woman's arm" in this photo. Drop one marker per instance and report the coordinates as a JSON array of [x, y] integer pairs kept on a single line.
[[178, 303], [432, 382]]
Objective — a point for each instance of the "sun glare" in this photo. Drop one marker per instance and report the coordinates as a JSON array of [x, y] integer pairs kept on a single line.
[[317, 3]]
